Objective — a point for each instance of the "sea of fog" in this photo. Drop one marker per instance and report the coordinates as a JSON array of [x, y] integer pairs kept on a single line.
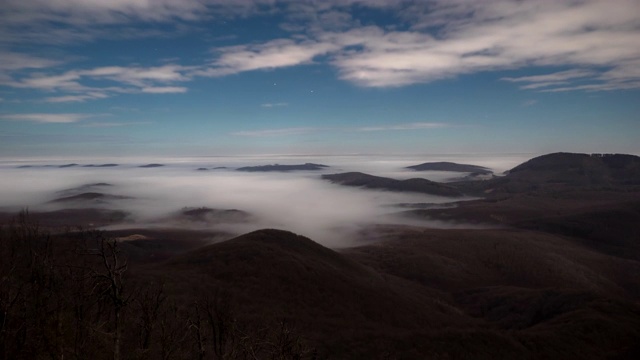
[[298, 201]]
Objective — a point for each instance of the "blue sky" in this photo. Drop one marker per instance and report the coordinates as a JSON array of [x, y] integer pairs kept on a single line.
[[222, 77]]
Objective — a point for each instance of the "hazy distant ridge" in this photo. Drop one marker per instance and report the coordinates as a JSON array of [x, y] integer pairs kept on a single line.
[[450, 166], [376, 182], [278, 167]]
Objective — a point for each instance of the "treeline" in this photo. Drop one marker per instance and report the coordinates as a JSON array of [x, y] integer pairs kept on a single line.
[[74, 296]]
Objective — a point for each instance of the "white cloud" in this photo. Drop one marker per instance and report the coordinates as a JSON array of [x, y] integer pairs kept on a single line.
[[164, 89], [139, 76], [76, 98], [17, 61], [103, 12], [270, 55], [585, 36], [75, 83], [495, 35], [47, 118], [596, 40]]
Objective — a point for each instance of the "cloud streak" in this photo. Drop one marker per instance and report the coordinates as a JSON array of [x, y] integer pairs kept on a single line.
[[272, 105], [125, 80], [48, 118], [274, 54], [276, 132], [306, 130], [408, 126]]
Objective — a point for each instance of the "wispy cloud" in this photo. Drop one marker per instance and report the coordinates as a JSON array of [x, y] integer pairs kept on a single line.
[[115, 124], [79, 85], [76, 98], [48, 118], [272, 105], [18, 61], [306, 130], [408, 126], [270, 55], [552, 79], [529, 102], [276, 132], [164, 89]]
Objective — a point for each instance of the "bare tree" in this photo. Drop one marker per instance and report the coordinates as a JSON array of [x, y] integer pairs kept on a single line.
[[148, 305], [173, 331], [108, 283]]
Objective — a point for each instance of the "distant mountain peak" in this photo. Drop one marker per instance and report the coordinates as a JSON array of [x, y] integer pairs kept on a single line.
[[450, 166], [278, 167], [376, 182]]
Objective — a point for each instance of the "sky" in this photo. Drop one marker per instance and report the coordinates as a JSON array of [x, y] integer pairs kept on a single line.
[[83, 78]]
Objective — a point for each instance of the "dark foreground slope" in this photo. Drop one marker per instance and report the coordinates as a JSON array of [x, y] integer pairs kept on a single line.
[[546, 295], [343, 308], [412, 294]]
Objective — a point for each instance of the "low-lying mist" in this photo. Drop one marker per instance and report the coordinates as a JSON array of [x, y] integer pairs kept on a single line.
[[297, 201]]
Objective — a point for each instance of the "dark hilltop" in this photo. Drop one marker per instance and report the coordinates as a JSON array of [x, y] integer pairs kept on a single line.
[[284, 168], [376, 182], [450, 166]]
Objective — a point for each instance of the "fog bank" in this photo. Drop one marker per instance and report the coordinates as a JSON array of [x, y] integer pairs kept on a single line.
[[297, 201]]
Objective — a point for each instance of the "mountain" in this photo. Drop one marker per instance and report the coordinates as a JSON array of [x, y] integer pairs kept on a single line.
[[334, 301], [277, 167], [580, 169], [450, 166], [559, 172], [84, 188], [91, 197], [536, 294], [214, 216], [376, 182], [100, 165]]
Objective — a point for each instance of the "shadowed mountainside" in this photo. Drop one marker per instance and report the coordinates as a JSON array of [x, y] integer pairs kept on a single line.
[[376, 182], [558, 171], [273, 273]]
